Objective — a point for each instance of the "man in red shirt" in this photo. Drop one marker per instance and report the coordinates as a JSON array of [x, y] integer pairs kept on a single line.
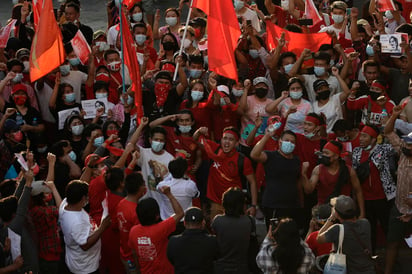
[[224, 171], [149, 239]]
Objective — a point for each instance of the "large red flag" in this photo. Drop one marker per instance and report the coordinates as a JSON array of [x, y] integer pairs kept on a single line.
[[5, 33], [37, 4], [384, 5], [130, 60], [311, 12], [47, 50], [295, 42], [223, 34], [81, 47]]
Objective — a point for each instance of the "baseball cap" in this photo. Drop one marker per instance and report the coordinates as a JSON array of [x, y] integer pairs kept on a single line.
[[10, 125], [258, 80], [90, 156], [22, 53], [407, 138], [344, 205], [19, 87], [194, 215], [319, 83], [98, 33], [38, 187]]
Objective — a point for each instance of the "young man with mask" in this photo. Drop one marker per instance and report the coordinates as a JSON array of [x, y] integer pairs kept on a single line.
[[72, 14], [372, 163], [333, 177], [243, 11], [143, 47], [338, 9], [114, 64], [73, 77]]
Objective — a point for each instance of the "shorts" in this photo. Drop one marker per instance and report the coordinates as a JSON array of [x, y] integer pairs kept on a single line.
[[149, 6], [397, 229]]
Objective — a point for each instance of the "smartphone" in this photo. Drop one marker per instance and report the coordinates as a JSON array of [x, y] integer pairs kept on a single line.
[[348, 11], [274, 222], [305, 22], [248, 22]]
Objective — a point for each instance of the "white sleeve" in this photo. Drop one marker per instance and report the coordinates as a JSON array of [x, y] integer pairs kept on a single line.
[[403, 126], [80, 232], [192, 189]]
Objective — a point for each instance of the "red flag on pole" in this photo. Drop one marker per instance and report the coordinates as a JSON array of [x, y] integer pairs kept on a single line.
[[130, 60], [47, 50], [384, 5], [223, 34], [311, 12], [37, 4], [5, 33], [81, 47], [295, 42]]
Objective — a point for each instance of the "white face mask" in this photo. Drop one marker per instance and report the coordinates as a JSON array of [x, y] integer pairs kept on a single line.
[[171, 21], [26, 66], [337, 18], [137, 17], [101, 95], [103, 46], [186, 43], [388, 15]]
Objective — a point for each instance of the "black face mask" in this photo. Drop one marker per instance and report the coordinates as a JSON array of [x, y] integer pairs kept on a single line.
[[407, 152], [323, 95], [325, 160], [374, 95], [261, 92], [168, 45]]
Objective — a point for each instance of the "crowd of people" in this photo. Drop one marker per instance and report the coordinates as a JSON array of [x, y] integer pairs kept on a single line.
[[315, 144]]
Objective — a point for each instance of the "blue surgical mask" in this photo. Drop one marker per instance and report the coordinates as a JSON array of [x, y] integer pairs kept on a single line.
[[238, 5], [196, 95], [195, 73], [337, 18], [74, 61], [185, 129], [288, 68], [140, 39], [369, 50], [295, 94], [70, 97], [65, 70], [98, 141], [137, 17], [77, 130], [309, 135], [254, 53], [332, 62], [157, 146], [287, 147], [101, 95], [129, 100], [73, 156], [237, 92], [319, 71], [17, 78], [388, 15]]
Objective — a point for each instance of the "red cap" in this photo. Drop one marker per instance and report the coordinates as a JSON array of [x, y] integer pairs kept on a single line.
[[100, 159], [19, 87]]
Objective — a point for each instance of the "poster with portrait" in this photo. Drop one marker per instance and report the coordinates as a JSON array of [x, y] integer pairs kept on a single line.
[[90, 107], [390, 43], [63, 114]]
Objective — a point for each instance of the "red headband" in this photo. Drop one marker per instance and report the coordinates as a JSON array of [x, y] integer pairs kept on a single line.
[[370, 131], [234, 133], [334, 148], [169, 67], [312, 120], [378, 85]]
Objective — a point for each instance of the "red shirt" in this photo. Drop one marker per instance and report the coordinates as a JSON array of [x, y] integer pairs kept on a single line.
[[271, 145], [152, 57], [126, 219], [183, 144], [97, 193], [305, 149], [222, 119], [372, 187], [150, 244], [318, 249], [115, 82], [284, 18], [327, 183], [362, 103], [201, 113]]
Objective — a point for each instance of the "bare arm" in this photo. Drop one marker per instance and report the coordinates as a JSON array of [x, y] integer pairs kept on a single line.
[[257, 152], [272, 107], [310, 185], [358, 192], [181, 87], [95, 236], [53, 97]]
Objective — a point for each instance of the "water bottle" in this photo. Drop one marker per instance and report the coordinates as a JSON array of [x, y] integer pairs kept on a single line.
[[131, 265], [384, 114], [19, 119]]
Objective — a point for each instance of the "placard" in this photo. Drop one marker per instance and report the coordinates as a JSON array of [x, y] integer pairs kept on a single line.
[[63, 114], [90, 107], [390, 43]]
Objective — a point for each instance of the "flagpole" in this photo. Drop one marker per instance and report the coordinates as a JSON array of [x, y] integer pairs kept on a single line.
[[184, 36], [121, 44]]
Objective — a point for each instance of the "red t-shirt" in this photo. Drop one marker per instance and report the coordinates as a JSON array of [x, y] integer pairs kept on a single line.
[[152, 57], [114, 83], [201, 113], [181, 144], [372, 187], [327, 183], [305, 149], [362, 103], [222, 119], [97, 193], [318, 249], [225, 174], [150, 245], [126, 219]]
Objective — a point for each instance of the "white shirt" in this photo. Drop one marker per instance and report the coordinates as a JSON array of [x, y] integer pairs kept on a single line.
[[332, 110], [334, 85], [337, 31], [112, 35], [252, 16], [75, 78], [184, 191], [43, 97], [76, 228]]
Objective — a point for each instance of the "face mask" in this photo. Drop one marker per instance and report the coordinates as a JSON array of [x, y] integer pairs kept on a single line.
[[140, 39], [74, 61], [168, 45], [284, 4], [69, 97], [288, 68], [137, 17], [337, 18], [103, 46], [185, 129], [26, 66], [171, 21], [111, 132], [222, 102], [77, 130], [274, 126], [18, 136], [343, 139], [388, 15], [64, 70], [296, 94], [237, 92], [309, 135], [73, 156], [186, 43], [129, 100], [101, 95], [20, 99], [114, 66], [254, 53], [319, 71], [407, 152], [206, 59], [369, 50], [98, 141], [287, 147], [195, 73], [17, 78], [323, 95], [196, 95], [261, 92], [325, 160], [238, 5], [157, 146]]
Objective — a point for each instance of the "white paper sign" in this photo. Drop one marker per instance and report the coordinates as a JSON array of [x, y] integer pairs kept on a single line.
[[390, 43], [66, 113], [15, 241], [21, 161], [90, 107], [409, 241]]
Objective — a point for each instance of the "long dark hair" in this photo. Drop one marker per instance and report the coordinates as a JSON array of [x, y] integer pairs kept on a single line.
[[289, 252]]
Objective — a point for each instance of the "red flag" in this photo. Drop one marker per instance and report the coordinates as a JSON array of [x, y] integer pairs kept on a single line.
[[312, 12], [295, 42], [384, 5], [130, 60], [130, 3], [81, 47], [5, 33], [47, 51], [223, 34], [37, 4]]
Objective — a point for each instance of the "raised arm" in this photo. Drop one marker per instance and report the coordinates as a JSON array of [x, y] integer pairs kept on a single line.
[[309, 185], [177, 208], [257, 152]]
